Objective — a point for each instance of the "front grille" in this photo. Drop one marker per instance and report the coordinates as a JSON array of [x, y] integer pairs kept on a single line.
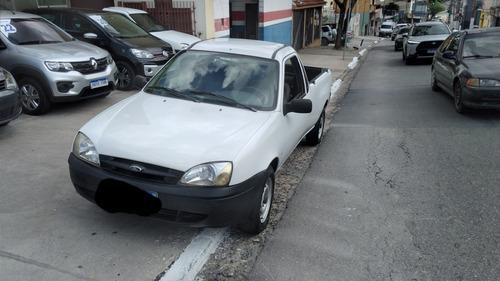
[[85, 67], [423, 47], [149, 172], [3, 84], [88, 93], [180, 216]]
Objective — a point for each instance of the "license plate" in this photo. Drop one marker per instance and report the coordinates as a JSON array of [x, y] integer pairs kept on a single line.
[[99, 83], [431, 51]]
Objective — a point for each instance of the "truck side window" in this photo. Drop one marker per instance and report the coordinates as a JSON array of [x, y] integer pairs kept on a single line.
[[293, 79]]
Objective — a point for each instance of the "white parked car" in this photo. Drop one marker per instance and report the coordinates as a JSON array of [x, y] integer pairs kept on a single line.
[[423, 39], [200, 144], [178, 40]]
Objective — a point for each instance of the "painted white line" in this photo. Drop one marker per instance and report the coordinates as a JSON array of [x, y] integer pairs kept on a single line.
[[196, 254]]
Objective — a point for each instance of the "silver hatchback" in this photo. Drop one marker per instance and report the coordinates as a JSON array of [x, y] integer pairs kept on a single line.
[[49, 65]]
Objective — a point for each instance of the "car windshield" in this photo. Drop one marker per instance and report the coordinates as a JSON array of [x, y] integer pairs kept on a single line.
[[118, 25], [148, 23], [234, 80], [482, 45], [430, 29], [32, 31], [403, 30], [386, 26]]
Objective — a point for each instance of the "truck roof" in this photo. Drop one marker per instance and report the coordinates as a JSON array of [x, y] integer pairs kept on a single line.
[[249, 47]]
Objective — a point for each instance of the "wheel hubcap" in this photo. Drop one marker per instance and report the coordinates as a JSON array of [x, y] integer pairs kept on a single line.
[[123, 77], [30, 97], [265, 201]]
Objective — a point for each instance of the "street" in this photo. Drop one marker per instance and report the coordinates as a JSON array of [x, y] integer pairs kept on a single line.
[[402, 188]]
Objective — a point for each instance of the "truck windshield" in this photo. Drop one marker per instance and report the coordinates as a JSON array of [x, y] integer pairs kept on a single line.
[[32, 31], [248, 81], [118, 25]]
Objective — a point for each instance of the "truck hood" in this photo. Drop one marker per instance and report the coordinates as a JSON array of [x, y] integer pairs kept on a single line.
[[145, 42], [171, 132], [68, 51], [175, 38]]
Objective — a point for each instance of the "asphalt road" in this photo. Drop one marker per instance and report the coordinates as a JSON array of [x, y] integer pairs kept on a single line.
[[48, 231], [401, 188]]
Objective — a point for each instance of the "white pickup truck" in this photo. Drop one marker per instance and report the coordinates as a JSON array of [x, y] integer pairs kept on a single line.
[[199, 145]]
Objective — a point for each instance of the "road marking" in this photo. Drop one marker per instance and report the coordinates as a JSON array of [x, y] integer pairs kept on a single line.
[[196, 254]]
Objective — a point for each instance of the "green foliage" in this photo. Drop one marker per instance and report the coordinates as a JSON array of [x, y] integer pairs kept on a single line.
[[392, 6], [435, 8]]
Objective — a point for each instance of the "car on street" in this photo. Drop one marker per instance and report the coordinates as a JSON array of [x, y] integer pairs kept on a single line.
[[386, 28], [135, 51], [396, 29], [423, 39], [200, 144], [49, 65], [178, 40], [328, 35], [467, 66], [10, 100], [398, 41]]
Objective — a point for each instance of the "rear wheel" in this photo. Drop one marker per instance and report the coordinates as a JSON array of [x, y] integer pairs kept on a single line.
[[259, 216], [126, 75], [324, 41], [33, 98], [315, 135], [458, 98]]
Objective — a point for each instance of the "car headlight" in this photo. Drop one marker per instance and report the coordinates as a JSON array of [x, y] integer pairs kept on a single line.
[[59, 66], [10, 81], [478, 82], [109, 59], [84, 149], [142, 54], [413, 42], [209, 174]]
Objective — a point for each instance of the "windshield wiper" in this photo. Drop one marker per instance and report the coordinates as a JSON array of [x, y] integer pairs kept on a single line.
[[224, 99], [173, 92]]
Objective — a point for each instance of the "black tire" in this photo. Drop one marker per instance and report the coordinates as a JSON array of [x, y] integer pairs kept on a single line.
[[316, 134], [324, 41], [395, 48], [126, 74], [434, 85], [259, 216], [33, 97], [458, 99], [404, 54]]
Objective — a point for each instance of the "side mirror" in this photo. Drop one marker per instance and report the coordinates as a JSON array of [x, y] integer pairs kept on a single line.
[[140, 81], [298, 106], [449, 55]]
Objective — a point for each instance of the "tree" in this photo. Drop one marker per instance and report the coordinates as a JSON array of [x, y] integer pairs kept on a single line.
[[391, 7], [344, 15], [435, 8]]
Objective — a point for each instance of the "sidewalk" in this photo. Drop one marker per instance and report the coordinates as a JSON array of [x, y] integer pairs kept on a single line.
[[292, 245]]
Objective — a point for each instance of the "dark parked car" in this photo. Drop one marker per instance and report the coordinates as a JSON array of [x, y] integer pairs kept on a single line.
[[135, 51], [398, 40], [466, 66], [10, 101]]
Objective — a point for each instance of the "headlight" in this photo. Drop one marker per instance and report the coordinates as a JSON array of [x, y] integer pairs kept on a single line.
[[109, 60], [478, 82], [10, 81], [413, 42], [210, 174], [84, 149], [142, 54], [59, 66]]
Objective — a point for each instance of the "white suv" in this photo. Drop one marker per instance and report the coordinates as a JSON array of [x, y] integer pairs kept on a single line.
[[423, 39], [49, 65]]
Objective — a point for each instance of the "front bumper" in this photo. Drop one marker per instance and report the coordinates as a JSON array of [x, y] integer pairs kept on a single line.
[[185, 205], [481, 97], [10, 106]]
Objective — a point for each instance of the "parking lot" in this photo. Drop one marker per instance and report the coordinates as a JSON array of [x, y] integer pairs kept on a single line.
[[49, 231]]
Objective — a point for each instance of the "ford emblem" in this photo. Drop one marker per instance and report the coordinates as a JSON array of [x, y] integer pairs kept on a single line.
[[136, 168]]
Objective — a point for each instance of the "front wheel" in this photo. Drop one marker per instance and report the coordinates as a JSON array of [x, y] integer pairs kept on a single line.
[[458, 98], [315, 135], [434, 85], [259, 216], [33, 98], [126, 75], [324, 41]]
